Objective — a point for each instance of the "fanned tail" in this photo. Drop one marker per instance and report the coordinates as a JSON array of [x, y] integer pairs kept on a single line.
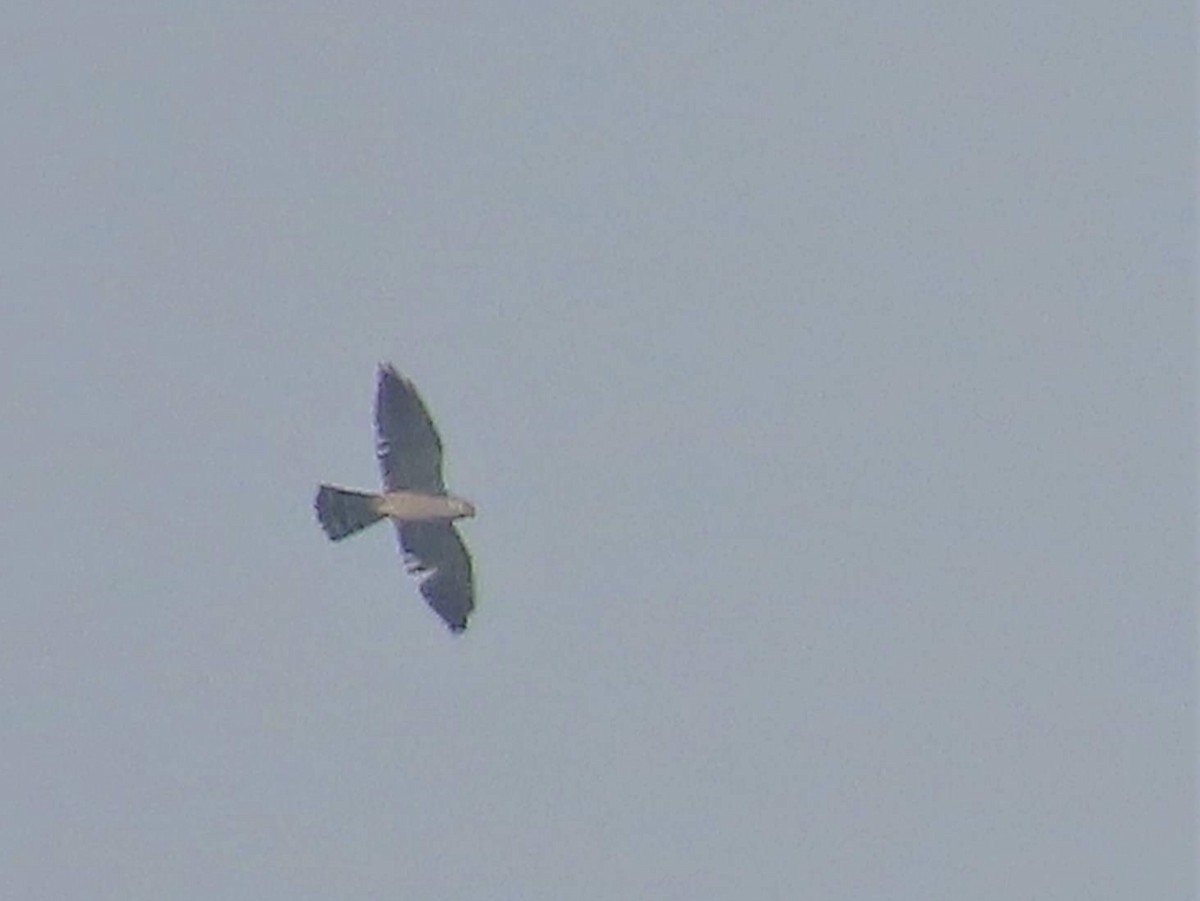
[[342, 512]]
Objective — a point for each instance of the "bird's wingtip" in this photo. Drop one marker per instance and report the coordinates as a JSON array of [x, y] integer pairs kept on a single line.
[[387, 371]]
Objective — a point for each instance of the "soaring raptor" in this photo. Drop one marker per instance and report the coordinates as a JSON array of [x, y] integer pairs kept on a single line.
[[414, 497]]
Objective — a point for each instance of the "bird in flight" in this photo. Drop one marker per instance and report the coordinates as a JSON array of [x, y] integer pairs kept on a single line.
[[414, 497]]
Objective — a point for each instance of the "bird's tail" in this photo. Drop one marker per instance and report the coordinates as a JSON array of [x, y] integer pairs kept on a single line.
[[342, 512]]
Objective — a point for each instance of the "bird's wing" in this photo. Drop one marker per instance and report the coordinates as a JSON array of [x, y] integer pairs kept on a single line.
[[406, 442], [435, 553]]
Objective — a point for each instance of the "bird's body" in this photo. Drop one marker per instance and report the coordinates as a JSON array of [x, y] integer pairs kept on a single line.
[[414, 498], [413, 506]]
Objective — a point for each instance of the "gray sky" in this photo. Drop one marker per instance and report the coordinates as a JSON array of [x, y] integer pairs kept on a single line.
[[823, 375]]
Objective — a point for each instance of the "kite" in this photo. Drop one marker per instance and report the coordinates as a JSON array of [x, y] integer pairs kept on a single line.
[[414, 497]]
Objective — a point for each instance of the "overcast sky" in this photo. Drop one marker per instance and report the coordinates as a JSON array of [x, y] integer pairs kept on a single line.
[[822, 373]]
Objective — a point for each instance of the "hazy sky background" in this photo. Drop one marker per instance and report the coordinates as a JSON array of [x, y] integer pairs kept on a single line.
[[823, 374]]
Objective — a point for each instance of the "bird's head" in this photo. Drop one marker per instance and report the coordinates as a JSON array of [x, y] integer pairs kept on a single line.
[[461, 508]]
